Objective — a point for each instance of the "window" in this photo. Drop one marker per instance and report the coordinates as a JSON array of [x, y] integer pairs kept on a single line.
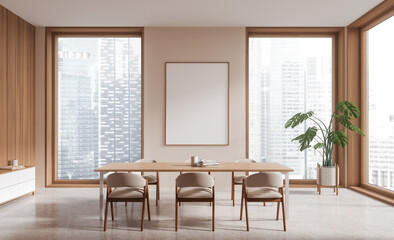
[[287, 75], [374, 178], [384, 177], [380, 85], [98, 103]]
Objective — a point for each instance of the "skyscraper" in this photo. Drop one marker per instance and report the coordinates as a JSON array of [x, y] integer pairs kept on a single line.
[[99, 104], [284, 80]]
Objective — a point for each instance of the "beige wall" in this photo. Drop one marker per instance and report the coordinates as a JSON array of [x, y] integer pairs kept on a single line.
[[193, 44], [171, 44]]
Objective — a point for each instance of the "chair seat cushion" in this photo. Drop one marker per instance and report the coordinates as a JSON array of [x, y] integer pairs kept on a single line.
[[195, 192], [239, 179], [262, 192], [127, 192], [151, 178]]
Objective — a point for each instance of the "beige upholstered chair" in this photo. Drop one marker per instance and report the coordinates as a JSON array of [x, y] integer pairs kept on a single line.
[[194, 187], [209, 173], [126, 187], [238, 179], [152, 179], [259, 187]]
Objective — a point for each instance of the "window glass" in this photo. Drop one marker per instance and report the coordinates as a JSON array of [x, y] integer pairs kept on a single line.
[[380, 79], [287, 75], [99, 104]]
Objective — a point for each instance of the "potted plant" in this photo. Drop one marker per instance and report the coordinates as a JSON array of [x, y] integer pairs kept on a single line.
[[323, 137]]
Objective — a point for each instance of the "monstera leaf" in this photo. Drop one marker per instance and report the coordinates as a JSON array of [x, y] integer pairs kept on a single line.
[[348, 108], [318, 145], [354, 128], [345, 121], [298, 118], [306, 138], [338, 137]]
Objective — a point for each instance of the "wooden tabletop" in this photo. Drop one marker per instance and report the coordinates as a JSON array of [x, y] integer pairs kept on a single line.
[[185, 167]]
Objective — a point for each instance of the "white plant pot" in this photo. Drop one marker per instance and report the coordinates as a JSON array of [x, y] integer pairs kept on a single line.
[[328, 176]]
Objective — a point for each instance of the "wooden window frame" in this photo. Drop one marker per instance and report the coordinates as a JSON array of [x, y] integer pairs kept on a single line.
[[51, 35], [364, 104], [338, 94], [356, 90]]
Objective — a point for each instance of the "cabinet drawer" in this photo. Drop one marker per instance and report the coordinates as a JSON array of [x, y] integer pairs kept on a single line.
[[26, 187], [26, 174], [8, 179], [8, 193]]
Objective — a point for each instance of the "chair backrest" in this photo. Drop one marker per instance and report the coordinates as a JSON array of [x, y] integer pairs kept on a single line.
[[265, 179], [125, 180], [195, 180], [246, 160], [146, 160]]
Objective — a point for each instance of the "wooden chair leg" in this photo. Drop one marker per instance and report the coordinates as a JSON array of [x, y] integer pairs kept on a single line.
[[264, 204], [157, 194], [176, 215], [246, 212], [125, 204], [337, 190], [148, 205], [158, 186], [143, 215], [232, 193], [213, 215], [277, 211], [242, 204], [106, 216], [284, 215], [232, 188], [112, 211]]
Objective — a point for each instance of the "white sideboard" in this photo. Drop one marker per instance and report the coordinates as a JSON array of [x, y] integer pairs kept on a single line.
[[17, 183]]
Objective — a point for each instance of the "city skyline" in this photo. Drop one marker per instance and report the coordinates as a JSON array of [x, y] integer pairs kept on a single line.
[[287, 76], [380, 132], [99, 92]]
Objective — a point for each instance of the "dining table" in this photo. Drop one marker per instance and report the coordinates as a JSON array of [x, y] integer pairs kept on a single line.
[[186, 167]]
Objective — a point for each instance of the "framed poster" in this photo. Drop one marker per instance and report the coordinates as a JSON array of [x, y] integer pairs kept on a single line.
[[197, 103]]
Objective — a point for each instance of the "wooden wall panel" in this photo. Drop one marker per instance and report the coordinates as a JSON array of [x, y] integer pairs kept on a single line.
[[11, 85], [16, 89], [32, 61], [25, 111], [3, 85]]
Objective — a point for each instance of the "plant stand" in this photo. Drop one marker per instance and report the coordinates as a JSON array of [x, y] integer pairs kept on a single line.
[[327, 178]]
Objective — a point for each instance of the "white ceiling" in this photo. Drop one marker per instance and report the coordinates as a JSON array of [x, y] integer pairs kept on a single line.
[[190, 13]]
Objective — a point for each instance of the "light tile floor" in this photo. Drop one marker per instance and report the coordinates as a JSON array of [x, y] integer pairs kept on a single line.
[[72, 213]]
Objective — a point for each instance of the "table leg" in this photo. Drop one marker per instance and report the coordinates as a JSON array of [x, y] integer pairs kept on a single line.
[[287, 195], [101, 194]]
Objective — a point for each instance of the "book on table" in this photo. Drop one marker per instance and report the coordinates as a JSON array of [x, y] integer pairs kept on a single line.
[[210, 163]]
